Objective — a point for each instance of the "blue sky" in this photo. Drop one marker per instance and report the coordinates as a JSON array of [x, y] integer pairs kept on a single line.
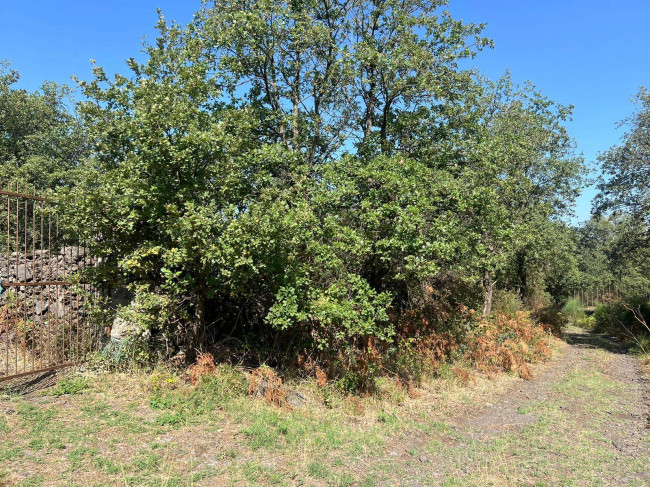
[[593, 54]]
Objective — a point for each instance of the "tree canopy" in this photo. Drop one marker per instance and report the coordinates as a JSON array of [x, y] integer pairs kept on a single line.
[[41, 141], [315, 177]]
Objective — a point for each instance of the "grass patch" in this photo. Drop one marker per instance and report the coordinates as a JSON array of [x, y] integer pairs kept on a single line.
[[69, 385], [156, 430]]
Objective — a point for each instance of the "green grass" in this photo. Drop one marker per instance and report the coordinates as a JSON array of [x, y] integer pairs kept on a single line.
[[156, 431], [70, 385]]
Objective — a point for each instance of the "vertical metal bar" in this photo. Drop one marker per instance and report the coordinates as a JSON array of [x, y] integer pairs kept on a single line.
[[25, 299], [56, 303], [53, 346], [49, 289], [8, 264], [63, 306], [40, 296], [17, 257], [34, 235], [35, 277], [76, 308], [89, 330], [88, 338]]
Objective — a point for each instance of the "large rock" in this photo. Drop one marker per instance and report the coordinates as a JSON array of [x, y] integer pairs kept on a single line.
[[120, 328], [24, 273]]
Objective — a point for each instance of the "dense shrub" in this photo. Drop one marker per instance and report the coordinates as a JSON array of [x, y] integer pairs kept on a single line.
[[343, 199], [622, 317]]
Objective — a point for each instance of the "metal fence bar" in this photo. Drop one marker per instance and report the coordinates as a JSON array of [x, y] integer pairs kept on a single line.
[[44, 308]]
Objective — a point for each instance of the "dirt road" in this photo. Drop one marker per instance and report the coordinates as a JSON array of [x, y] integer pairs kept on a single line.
[[582, 420]]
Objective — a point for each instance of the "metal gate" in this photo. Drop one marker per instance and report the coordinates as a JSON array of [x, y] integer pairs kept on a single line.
[[45, 306]]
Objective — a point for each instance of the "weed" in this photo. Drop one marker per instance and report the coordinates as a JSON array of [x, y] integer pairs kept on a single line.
[[146, 461], [70, 385], [163, 380], [389, 418], [204, 367], [221, 389], [170, 419], [230, 454], [106, 465], [265, 383], [317, 471]]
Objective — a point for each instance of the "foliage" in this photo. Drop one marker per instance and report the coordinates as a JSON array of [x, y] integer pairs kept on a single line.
[[610, 257], [624, 317], [41, 140], [507, 303], [624, 182], [573, 311], [70, 385], [614, 246], [322, 181]]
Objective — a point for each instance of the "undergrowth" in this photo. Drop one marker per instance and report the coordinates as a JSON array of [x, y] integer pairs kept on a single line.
[[503, 344]]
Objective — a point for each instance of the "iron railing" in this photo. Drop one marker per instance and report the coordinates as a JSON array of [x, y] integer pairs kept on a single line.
[[44, 301]]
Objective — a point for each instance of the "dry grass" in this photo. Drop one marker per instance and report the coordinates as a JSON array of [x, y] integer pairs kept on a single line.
[[263, 382], [160, 429], [204, 366]]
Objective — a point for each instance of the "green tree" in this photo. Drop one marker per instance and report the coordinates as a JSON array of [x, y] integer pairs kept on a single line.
[[173, 168], [308, 175], [624, 184], [41, 140], [324, 73], [523, 173]]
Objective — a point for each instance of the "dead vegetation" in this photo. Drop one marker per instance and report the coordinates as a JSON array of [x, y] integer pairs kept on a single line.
[[509, 344], [222, 425], [263, 382]]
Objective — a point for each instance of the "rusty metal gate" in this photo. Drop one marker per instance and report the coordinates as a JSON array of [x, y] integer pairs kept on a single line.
[[45, 306]]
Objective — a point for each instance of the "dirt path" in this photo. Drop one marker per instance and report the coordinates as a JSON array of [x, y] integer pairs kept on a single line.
[[582, 420]]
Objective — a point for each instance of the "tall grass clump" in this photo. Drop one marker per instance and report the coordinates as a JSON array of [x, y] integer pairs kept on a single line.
[[573, 311]]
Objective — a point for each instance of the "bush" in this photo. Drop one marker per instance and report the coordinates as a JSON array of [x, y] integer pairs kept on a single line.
[[506, 303], [617, 317], [573, 311]]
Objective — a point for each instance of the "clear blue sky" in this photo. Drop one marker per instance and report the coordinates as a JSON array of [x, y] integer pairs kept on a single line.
[[593, 54]]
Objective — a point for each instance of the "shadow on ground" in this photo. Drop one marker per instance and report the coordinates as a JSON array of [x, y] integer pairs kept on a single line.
[[30, 384], [586, 339]]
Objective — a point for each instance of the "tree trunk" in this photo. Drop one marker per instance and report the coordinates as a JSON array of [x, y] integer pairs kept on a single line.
[[197, 330], [488, 296]]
